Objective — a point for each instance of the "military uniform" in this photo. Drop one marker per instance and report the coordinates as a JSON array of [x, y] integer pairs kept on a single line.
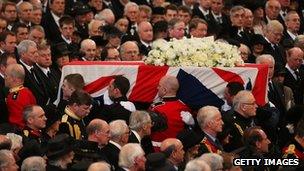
[[236, 127], [293, 150], [171, 108], [72, 124], [33, 143], [207, 145], [18, 98]]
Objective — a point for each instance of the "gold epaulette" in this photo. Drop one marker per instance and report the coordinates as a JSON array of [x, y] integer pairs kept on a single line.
[[26, 132], [206, 144], [239, 128], [290, 150], [16, 89], [64, 118]]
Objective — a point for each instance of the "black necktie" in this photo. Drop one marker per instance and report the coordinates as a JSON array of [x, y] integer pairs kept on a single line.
[[297, 74], [270, 87]]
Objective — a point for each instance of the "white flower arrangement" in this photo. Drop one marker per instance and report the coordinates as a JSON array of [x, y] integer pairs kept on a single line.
[[199, 52]]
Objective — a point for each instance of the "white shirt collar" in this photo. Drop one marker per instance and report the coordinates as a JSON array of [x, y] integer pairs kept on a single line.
[[56, 18], [44, 70], [144, 43], [291, 71], [26, 66], [116, 144], [293, 36], [136, 135], [205, 12], [215, 16], [213, 138], [66, 40], [1, 75]]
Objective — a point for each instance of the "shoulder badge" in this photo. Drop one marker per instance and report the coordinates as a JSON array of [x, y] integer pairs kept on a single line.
[[157, 104], [26, 132], [239, 128], [15, 95], [64, 118]]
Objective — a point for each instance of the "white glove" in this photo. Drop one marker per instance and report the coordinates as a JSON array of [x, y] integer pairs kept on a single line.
[[128, 105], [187, 117]]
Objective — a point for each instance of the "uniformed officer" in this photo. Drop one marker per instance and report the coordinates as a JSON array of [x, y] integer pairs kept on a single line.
[[33, 142], [177, 113], [242, 118], [295, 148], [18, 96], [210, 121], [78, 107]]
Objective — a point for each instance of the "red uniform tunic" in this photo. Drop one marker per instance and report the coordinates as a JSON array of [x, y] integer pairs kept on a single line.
[[171, 108], [18, 98]]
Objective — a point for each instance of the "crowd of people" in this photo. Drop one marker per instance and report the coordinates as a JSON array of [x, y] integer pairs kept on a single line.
[[109, 132]]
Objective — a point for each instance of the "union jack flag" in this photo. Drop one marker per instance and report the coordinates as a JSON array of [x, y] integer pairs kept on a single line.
[[198, 86]]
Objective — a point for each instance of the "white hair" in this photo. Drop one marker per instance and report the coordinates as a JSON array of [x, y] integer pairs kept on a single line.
[[117, 129], [24, 45], [206, 114], [128, 153], [240, 97], [197, 165], [99, 166], [214, 160], [16, 140], [34, 163], [264, 57], [138, 119], [130, 4]]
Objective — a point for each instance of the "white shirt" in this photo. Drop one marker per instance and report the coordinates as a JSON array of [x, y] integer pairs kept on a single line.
[[66, 40], [291, 71], [205, 12], [293, 36], [27, 66], [44, 70], [136, 135], [56, 18], [116, 144]]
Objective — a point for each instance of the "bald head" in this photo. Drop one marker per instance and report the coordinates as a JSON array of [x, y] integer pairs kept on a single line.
[[169, 142], [98, 131], [14, 75], [88, 47], [129, 51], [145, 31], [168, 86], [99, 166]]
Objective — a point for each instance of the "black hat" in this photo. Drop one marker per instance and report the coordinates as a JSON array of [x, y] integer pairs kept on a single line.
[[158, 162], [59, 50], [258, 39], [80, 9], [59, 146], [99, 41], [52, 115], [111, 31], [279, 70], [189, 138], [158, 11]]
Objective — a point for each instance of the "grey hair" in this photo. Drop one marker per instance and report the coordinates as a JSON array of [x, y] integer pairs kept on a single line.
[[5, 155], [128, 153], [16, 71], [24, 2], [34, 163], [117, 128], [206, 114], [16, 140], [215, 161], [197, 165], [236, 8], [103, 15], [263, 57], [24, 45], [138, 119], [38, 28], [240, 97], [130, 4], [274, 25], [27, 112]]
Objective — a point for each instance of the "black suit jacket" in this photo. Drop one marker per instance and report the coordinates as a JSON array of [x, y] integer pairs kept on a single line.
[[144, 50], [112, 153], [219, 30], [276, 96], [244, 37], [197, 12], [50, 82], [145, 143], [295, 85], [278, 53], [3, 93], [52, 32], [36, 87]]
